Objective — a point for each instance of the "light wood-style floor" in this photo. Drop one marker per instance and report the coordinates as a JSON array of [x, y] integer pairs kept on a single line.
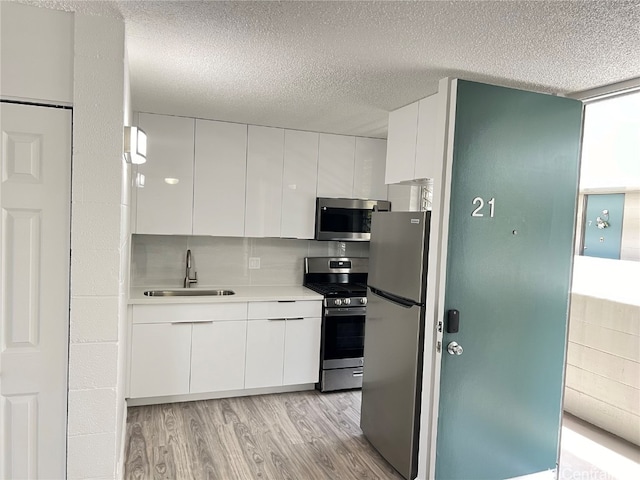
[[309, 436], [289, 436]]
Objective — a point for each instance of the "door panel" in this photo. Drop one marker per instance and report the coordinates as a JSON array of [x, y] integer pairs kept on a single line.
[[34, 286], [603, 231], [515, 164]]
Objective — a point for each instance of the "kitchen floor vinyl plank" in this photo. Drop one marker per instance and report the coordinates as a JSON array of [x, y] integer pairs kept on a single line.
[[289, 436]]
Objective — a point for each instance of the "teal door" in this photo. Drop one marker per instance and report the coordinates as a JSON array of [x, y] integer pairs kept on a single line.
[[602, 231], [514, 189]]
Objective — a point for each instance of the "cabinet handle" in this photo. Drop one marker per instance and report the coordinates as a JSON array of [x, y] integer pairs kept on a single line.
[[276, 319], [191, 321], [296, 318], [358, 373], [286, 301]]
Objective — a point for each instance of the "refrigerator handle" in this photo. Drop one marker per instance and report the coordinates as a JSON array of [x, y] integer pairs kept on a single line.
[[403, 302]]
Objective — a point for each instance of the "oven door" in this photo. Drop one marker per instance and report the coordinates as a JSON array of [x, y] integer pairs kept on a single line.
[[343, 337], [345, 219]]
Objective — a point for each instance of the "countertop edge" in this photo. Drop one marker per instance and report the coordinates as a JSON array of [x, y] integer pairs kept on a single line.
[[244, 293]]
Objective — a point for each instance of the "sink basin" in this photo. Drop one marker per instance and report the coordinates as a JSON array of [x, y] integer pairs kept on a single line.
[[196, 292]]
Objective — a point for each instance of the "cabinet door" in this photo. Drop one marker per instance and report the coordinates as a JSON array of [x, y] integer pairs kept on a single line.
[[218, 356], [165, 202], [160, 359], [401, 144], [302, 351], [335, 166], [265, 353], [265, 157], [368, 182], [219, 178], [299, 181], [431, 135]]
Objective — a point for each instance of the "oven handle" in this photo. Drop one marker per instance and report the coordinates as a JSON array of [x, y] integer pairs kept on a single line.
[[344, 312]]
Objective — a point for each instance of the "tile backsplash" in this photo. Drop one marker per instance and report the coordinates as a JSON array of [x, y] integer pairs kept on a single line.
[[159, 260]]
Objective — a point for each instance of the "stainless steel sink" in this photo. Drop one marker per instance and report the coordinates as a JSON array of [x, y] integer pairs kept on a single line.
[[196, 292]]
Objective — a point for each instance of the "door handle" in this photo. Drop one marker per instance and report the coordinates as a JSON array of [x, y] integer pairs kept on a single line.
[[454, 349]]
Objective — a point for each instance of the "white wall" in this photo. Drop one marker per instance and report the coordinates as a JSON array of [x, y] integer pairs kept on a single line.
[[99, 233], [603, 355], [159, 260], [41, 69], [57, 58]]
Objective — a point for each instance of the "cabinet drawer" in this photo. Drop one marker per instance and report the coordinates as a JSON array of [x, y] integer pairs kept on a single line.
[[284, 309], [202, 312]]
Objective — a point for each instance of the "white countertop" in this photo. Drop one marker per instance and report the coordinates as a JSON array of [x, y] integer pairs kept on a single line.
[[244, 293]]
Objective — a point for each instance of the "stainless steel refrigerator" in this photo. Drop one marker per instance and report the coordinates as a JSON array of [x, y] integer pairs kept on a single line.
[[394, 336]]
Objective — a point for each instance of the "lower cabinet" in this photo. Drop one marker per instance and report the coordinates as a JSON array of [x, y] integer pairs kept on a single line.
[[200, 348], [160, 359], [284, 348], [217, 356]]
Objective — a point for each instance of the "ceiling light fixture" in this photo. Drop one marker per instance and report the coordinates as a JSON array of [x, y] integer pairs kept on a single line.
[[135, 145]]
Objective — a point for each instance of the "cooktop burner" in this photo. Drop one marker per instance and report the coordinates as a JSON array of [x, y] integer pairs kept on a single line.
[[339, 289]]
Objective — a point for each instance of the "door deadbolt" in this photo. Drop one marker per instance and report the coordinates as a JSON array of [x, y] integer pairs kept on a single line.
[[454, 349]]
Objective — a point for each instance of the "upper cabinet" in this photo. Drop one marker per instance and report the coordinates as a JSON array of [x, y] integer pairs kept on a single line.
[[206, 177], [335, 166], [368, 179], [164, 204], [219, 178], [351, 167], [265, 160], [299, 180], [416, 139]]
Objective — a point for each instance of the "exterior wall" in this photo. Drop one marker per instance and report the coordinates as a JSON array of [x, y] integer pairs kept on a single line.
[[603, 355], [631, 227], [630, 248]]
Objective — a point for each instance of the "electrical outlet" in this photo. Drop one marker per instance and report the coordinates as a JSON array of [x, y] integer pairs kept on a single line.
[[254, 263]]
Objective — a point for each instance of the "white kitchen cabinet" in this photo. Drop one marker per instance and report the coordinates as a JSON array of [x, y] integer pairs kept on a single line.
[[301, 357], [265, 353], [283, 343], [336, 159], [218, 356], [160, 359], [370, 159], [265, 158], [219, 178], [164, 203], [299, 181], [416, 138], [187, 348]]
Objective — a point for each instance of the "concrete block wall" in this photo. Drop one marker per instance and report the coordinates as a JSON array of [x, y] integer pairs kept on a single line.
[[98, 240], [603, 356]]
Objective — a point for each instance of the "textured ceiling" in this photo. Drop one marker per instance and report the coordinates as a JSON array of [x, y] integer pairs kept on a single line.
[[342, 66]]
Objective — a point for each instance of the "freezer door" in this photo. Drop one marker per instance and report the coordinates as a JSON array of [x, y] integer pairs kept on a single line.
[[392, 381], [398, 253]]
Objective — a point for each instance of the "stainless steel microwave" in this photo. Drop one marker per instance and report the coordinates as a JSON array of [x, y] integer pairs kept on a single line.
[[346, 219]]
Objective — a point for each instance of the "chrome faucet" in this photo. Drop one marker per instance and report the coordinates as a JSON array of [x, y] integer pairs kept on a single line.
[[188, 281]]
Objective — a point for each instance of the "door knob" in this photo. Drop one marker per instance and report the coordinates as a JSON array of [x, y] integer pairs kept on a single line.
[[454, 349]]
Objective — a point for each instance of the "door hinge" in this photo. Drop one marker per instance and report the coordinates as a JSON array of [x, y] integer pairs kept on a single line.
[[440, 326], [438, 346]]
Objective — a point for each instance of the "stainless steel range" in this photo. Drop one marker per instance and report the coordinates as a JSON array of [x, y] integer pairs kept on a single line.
[[342, 281]]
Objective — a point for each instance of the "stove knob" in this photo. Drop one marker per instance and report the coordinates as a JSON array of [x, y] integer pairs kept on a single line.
[[363, 301], [347, 301], [337, 302]]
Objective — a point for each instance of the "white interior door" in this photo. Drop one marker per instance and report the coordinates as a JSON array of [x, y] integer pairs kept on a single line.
[[35, 196]]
